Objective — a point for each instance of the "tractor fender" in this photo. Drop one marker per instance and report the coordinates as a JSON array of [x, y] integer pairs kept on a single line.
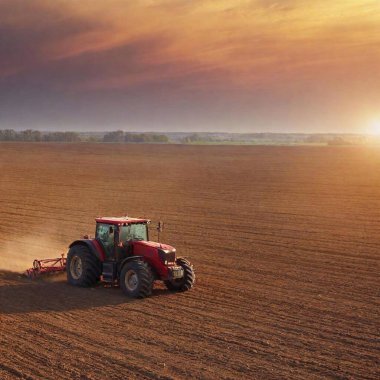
[[128, 259], [136, 258], [93, 248]]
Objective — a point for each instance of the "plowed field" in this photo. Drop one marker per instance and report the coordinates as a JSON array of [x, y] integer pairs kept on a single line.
[[285, 242]]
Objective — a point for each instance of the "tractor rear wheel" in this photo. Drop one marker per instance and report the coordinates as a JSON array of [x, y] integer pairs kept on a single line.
[[83, 268], [187, 281], [136, 279]]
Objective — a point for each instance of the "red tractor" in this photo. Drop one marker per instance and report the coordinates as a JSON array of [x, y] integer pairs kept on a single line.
[[121, 253]]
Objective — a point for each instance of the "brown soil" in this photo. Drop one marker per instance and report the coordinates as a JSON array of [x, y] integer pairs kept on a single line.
[[285, 242]]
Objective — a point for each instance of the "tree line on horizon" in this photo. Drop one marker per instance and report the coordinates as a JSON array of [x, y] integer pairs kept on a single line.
[[32, 135], [119, 136], [129, 137]]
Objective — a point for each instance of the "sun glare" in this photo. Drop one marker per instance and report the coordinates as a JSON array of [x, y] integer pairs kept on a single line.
[[375, 127]]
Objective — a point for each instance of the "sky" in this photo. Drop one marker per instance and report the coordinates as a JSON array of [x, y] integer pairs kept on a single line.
[[190, 65]]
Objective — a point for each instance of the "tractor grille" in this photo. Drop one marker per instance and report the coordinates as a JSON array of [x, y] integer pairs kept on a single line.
[[167, 256]]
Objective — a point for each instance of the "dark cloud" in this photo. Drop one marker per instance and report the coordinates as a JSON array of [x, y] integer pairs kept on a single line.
[[75, 73], [92, 91], [29, 28]]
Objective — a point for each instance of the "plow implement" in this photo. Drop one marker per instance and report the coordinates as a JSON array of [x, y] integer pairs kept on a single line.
[[46, 266]]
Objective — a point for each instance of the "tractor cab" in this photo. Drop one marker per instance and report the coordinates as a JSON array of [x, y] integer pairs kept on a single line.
[[113, 233]]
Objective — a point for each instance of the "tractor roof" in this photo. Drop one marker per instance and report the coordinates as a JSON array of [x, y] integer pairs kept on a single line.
[[120, 220]]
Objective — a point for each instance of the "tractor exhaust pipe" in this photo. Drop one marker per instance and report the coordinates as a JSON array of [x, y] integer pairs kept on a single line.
[[160, 228]]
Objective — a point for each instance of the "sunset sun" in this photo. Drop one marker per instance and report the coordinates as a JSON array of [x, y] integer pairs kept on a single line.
[[375, 127]]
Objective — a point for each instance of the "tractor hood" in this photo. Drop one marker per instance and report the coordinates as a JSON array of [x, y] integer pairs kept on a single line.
[[153, 244], [154, 253]]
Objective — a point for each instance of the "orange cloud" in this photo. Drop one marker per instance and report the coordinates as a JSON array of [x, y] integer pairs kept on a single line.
[[252, 40]]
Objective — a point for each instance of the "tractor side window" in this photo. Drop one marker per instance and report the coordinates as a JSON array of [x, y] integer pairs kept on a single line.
[[107, 238]]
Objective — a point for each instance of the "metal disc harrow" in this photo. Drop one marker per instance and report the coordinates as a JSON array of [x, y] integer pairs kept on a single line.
[[46, 266]]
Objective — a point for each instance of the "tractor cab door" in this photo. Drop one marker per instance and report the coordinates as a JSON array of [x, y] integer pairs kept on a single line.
[[106, 234]]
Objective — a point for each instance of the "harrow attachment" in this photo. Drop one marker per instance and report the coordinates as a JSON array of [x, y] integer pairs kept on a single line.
[[46, 266]]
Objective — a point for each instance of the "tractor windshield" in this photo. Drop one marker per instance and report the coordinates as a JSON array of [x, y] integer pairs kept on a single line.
[[135, 231]]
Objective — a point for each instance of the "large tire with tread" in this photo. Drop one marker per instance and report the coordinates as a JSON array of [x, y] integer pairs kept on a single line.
[[187, 281], [83, 267], [136, 279]]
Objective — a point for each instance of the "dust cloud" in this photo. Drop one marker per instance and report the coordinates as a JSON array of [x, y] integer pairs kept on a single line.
[[17, 255]]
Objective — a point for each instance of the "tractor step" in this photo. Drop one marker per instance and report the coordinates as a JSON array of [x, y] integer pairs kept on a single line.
[[109, 273]]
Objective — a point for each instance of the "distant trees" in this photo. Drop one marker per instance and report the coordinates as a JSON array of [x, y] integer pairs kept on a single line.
[[62, 136], [330, 139], [196, 138], [8, 135], [115, 136], [30, 135], [120, 136], [145, 138], [33, 135]]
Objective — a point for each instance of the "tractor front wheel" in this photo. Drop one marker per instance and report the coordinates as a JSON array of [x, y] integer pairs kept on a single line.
[[83, 268], [187, 281], [136, 279]]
